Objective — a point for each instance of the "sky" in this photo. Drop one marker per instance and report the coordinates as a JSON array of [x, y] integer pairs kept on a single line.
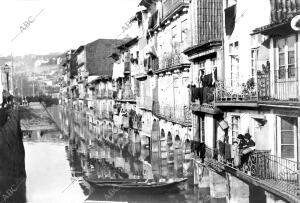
[[60, 24]]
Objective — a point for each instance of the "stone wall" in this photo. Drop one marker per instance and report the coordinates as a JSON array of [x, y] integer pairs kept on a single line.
[[12, 154]]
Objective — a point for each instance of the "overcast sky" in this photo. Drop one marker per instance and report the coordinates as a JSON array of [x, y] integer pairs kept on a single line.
[[63, 24]]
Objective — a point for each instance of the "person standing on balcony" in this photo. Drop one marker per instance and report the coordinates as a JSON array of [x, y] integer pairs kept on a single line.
[[241, 143], [248, 147], [235, 154], [249, 144]]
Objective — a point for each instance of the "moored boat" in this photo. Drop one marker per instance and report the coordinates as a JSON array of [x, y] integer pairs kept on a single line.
[[136, 185]]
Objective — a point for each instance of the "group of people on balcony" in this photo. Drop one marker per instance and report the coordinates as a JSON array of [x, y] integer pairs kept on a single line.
[[242, 148], [204, 91], [238, 153]]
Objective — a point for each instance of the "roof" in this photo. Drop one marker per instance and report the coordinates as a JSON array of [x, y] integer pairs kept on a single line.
[[79, 49], [202, 47], [97, 60], [128, 43], [275, 28], [146, 3]]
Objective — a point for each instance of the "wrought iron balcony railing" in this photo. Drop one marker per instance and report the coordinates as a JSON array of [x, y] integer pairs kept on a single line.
[[284, 87], [174, 58], [236, 93], [125, 95], [277, 172], [177, 113]]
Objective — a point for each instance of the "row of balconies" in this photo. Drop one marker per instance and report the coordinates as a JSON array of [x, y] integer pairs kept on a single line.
[[270, 87], [174, 113], [100, 94]]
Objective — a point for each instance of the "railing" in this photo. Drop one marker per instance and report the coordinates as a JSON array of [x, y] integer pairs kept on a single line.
[[285, 87], [170, 6], [154, 64], [177, 113], [286, 84], [282, 9], [126, 94], [275, 171], [174, 58], [203, 96], [236, 93]]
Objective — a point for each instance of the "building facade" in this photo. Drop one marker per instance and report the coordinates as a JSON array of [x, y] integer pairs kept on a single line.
[[195, 73]]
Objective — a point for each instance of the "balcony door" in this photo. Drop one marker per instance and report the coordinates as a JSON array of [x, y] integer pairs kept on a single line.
[[287, 143], [286, 71]]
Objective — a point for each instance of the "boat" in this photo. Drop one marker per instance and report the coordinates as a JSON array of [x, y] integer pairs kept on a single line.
[[136, 185]]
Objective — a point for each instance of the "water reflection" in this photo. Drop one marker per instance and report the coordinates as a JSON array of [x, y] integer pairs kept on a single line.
[[99, 150]]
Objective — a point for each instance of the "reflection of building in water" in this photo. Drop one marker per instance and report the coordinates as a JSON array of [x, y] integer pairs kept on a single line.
[[121, 94], [44, 136]]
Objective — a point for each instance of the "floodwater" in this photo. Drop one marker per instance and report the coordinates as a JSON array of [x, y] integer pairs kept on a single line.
[[56, 162]]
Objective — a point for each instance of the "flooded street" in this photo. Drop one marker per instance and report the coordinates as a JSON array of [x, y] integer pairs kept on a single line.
[[57, 161]]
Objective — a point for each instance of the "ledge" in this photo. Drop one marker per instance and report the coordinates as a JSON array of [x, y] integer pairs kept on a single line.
[[222, 169], [126, 100], [172, 68], [186, 124], [206, 108]]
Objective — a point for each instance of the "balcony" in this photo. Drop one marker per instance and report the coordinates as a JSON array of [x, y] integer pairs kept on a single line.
[[286, 85], [126, 96], [282, 9], [275, 174], [145, 103], [176, 114], [283, 90], [172, 7], [203, 100], [140, 71], [173, 60], [243, 95]]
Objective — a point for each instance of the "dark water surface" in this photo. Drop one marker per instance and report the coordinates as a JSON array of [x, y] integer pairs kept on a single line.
[[56, 162]]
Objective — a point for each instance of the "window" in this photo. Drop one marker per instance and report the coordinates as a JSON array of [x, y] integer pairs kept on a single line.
[[174, 34], [235, 127], [176, 82], [184, 30], [286, 58], [202, 128], [253, 61], [234, 64], [185, 81], [288, 128]]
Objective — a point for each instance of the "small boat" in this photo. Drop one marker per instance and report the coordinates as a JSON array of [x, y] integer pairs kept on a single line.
[[136, 185]]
